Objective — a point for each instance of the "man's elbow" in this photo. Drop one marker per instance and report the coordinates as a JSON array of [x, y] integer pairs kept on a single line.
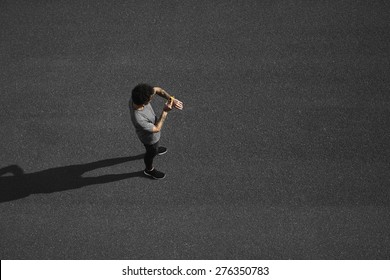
[[157, 89], [156, 129]]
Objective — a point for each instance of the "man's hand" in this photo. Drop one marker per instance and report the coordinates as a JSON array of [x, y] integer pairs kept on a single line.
[[177, 104], [168, 105]]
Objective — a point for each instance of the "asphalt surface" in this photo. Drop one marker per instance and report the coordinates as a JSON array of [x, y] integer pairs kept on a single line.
[[282, 150]]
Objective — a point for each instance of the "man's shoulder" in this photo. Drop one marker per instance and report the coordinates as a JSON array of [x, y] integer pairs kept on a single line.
[[140, 116], [148, 106]]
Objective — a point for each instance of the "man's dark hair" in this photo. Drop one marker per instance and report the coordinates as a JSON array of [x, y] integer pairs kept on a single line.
[[141, 94]]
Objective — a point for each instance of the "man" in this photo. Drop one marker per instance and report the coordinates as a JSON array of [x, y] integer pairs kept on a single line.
[[147, 125]]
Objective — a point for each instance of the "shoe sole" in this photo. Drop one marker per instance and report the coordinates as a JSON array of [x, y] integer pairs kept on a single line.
[[155, 178], [163, 153]]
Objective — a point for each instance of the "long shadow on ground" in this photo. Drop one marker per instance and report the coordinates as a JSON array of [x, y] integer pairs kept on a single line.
[[20, 184]]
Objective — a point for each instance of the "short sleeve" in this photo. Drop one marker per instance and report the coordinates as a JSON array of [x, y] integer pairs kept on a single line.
[[144, 123]]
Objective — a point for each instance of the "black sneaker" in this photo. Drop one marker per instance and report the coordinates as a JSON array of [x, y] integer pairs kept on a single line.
[[162, 150], [154, 174]]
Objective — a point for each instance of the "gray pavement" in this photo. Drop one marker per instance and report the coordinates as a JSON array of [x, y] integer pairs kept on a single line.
[[282, 151]]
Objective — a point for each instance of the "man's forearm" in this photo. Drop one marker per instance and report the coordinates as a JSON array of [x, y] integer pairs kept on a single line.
[[161, 92], [161, 120]]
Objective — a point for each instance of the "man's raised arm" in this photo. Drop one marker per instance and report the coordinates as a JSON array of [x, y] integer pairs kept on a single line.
[[161, 92]]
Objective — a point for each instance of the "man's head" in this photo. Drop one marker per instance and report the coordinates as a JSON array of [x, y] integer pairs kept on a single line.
[[142, 94]]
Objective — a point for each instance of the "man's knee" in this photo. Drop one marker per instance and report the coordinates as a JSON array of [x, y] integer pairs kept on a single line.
[[152, 150]]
